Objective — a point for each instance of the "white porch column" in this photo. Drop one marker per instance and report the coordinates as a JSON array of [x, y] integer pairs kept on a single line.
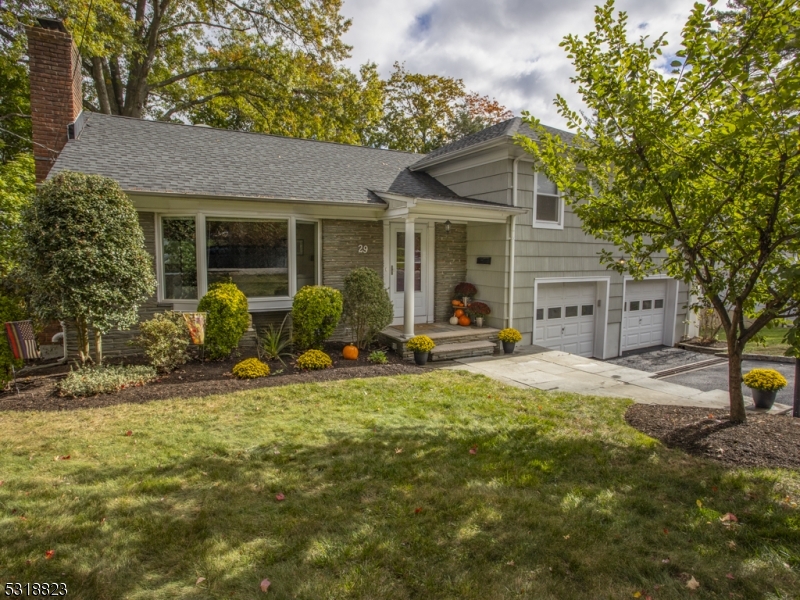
[[408, 296]]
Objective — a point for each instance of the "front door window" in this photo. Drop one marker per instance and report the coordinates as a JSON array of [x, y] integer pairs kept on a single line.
[[401, 262]]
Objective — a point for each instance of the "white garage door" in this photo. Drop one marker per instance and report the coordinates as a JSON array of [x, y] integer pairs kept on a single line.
[[643, 314], [565, 317]]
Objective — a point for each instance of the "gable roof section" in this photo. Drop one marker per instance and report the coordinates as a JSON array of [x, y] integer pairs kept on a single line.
[[505, 130], [167, 158]]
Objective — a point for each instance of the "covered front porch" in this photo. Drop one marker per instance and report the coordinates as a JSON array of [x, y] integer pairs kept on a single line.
[[452, 341], [429, 247]]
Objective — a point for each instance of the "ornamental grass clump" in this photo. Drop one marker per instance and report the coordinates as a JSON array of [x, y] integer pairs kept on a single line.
[[420, 343], [314, 360], [90, 381], [228, 319], [250, 368], [767, 380], [509, 335]]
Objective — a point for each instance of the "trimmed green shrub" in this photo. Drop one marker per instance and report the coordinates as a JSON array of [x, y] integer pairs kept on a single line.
[[250, 368], [227, 318], [164, 340], [367, 308], [378, 357], [316, 311], [89, 381], [11, 309], [313, 360], [84, 256]]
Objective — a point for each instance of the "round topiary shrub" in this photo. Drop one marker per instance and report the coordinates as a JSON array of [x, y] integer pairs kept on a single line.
[[227, 318], [367, 308], [250, 368], [313, 360], [316, 311]]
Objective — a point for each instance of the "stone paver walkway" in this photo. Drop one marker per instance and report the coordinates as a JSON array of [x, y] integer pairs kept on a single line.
[[532, 367]]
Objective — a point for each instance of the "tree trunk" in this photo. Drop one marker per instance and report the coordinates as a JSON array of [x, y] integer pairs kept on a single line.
[[738, 413], [83, 339], [98, 346], [100, 85], [796, 404]]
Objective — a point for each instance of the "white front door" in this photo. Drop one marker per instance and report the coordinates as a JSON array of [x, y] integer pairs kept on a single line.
[[398, 267], [564, 317], [643, 314]]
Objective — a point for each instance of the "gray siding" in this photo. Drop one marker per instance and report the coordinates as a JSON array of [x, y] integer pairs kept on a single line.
[[489, 239]]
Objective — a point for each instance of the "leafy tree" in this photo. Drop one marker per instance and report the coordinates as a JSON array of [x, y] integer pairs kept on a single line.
[[15, 109], [17, 186], [695, 171], [266, 65], [424, 112], [367, 308], [84, 256]]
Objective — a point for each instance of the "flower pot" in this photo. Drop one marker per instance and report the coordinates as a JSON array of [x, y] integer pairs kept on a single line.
[[479, 321], [421, 358], [454, 320], [465, 300], [508, 347], [764, 398]]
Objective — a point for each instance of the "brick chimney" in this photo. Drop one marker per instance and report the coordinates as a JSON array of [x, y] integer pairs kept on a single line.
[[56, 90]]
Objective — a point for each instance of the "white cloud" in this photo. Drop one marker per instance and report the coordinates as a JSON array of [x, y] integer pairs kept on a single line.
[[504, 48]]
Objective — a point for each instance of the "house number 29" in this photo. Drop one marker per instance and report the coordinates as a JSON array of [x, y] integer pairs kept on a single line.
[[362, 248]]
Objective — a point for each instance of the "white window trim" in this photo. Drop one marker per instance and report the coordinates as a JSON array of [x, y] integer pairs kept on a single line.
[[546, 224], [255, 304]]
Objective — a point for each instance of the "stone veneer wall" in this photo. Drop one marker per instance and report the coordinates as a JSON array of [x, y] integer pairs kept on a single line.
[[450, 268], [340, 255], [115, 343]]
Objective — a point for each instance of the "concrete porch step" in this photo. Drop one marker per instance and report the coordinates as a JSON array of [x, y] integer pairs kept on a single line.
[[462, 350]]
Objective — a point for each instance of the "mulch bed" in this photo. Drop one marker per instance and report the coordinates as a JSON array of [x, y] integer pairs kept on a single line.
[[763, 441], [195, 379]]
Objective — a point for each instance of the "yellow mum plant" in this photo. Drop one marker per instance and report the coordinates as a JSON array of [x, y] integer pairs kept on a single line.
[[767, 380], [250, 368], [313, 360], [509, 335], [420, 343]]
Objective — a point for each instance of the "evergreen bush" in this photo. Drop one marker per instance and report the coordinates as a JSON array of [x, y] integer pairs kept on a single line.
[[164, 340], [367, 308], [316, 311], [89, 381], [11, 309], [226, 318]]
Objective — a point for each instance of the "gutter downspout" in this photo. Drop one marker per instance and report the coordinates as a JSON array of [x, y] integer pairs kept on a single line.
[[512, 241]]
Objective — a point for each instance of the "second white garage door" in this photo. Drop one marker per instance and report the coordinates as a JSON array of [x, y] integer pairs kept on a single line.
[[643, 314], [565, 317]]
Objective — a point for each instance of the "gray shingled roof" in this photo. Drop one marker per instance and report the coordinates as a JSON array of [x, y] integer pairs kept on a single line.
[[506, 129], [157, 157]]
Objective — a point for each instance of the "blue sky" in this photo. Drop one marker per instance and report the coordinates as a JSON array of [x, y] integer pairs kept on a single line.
[[507, 49]]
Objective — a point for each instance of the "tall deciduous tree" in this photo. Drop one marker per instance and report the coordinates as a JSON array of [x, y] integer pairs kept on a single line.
[[84, 257], [696, 171], [424, 112], [261, 65]]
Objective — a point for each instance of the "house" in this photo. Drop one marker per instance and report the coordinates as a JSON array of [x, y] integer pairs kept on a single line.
[[275, 214]]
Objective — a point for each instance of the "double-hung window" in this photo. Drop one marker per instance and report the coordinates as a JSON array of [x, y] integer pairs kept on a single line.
[[548, 206]]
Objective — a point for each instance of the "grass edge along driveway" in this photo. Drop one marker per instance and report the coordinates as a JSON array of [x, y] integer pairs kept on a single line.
[[443, 485]]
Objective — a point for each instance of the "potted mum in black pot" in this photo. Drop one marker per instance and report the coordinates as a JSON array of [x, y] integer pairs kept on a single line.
[[764, 383], [421, 346], [509, 337]]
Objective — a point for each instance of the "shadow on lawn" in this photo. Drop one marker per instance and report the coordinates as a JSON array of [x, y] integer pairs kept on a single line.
[[493, 524]]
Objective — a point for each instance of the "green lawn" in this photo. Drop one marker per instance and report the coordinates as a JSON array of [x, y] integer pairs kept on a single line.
[[383, 499], [774, 343]]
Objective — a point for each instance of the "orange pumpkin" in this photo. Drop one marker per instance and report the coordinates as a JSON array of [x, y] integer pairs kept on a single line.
[[463, 320], [457, 303], [350, 352], [459, 313]]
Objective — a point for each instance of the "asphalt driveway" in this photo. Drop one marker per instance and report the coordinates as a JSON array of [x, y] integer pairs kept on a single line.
[[710, 378]]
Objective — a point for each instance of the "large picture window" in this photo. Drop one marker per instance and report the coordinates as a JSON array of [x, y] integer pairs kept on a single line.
[[179, 262], [252, 254], [547, 203]]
